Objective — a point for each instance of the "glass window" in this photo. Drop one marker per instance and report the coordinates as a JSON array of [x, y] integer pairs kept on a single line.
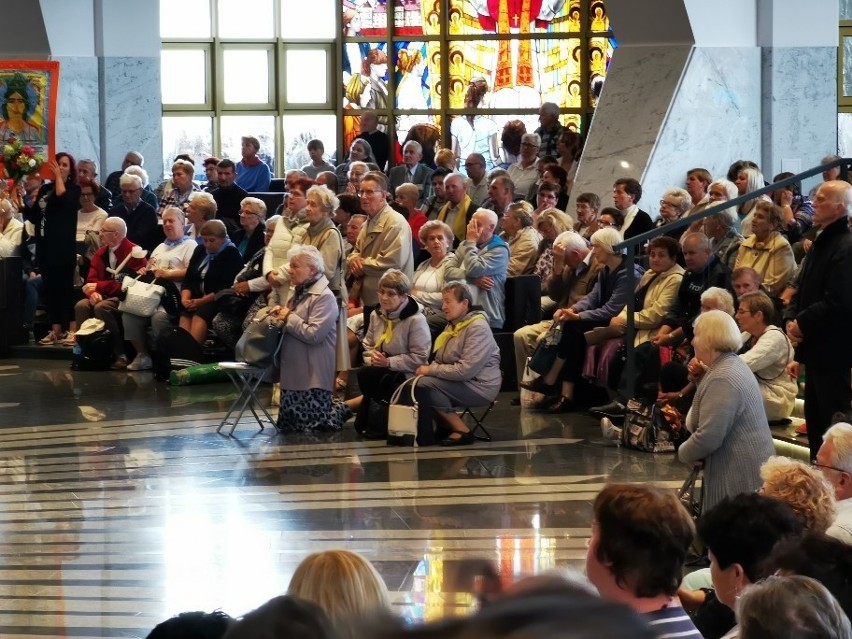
[[847, 67], [186, 134], [551, 16], [306, 76], [410, 19], [317, 24], [415, 73], [366, 19], [185, 19], [246, 73], [845, 12], [234, 127], [844, 134], [183, 76], [241, 19], [365, 84], [301, 129]]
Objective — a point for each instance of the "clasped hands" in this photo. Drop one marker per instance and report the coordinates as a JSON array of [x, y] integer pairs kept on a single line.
[[566, 315]]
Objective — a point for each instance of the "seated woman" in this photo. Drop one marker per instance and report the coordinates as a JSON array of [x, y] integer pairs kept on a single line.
[[397, 342], [465, 370], [550, 224], [168, 261], [90, 219], [430, 275], [212, 268], [250, 237], [307, 359], [766, 250], [802, 488], [767, 352], [357, 170], [200, 208]]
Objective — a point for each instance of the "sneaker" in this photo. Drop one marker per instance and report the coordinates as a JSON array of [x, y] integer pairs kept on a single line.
[[141, 363], [50, 339], [70, 339], [613, 408], [609, 430]]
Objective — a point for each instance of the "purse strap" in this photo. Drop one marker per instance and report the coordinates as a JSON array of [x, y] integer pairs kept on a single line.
[[398, 391]]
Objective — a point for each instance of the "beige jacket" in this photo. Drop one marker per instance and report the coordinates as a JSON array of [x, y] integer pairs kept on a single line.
[[523, 251], [658, 300], [772, 259]]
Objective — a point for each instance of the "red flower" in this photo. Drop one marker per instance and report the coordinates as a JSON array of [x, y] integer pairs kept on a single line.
[[28, 150]]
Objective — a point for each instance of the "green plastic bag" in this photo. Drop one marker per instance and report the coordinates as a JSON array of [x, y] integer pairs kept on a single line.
[[200, 374]]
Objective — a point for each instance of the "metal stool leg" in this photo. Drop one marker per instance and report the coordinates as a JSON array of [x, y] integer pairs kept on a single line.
[[237, 381]]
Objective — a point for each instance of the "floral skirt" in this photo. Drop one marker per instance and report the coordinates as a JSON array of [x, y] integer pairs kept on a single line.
[[306, 411]]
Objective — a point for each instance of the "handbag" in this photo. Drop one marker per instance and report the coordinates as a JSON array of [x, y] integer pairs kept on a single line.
[[691, 493], [260, 343], [546, 350], [529, 399], [646, 429], [402, 418], [139, 298]]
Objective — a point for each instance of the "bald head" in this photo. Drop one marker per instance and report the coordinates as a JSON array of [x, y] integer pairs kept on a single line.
[[833, 201]]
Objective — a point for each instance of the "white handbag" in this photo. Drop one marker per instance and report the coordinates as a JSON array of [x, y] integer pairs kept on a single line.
[[402, 418], [140, 298]]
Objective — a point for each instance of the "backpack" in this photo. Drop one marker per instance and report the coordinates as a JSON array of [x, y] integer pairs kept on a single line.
[[175, 349], [93, 352]]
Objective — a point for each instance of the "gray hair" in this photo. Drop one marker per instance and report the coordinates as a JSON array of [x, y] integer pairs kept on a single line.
[[455, 175], [432, 225], [295, 173], [204, 201], [327, 199], [606, 238], [415, 144], [460, 290], [308, 254], [572, 241], [395, 280], [521, 211], [214, 228], [726, 218], [139, 171], [407, 189], [176, 210], [488, 214], [117, 224], [357, 164], [91, 163], [682, 196], [718, 332], [702, 241], [272, 222], [504, 181], [535, 138], [840, 435], [550, 107], [722, 299], [255, 205], [730, 187], [128, 179]]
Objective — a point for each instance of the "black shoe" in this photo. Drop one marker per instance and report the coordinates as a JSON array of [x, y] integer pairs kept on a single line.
[[538, 386], [544, 403], [563, 405], [515, 401], [463, 439], [613, 409]]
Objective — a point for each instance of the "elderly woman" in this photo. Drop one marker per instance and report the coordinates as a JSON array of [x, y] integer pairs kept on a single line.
[[11, 229], [182, 186], [200, 208], [524, 172], [730, 432], [674, 205], [725, 240], [749, 179], [430, 275], [550, 224], [397, 342], [249, 238], [465, 370], [556, 175], [767, 352], [361, 151], [766, 250], [168, 262], [148, 194], [547, 197], [212, 267], [357, 170], [320, 232], [522, 238], [293, 209], [802, 488], [309, 321]]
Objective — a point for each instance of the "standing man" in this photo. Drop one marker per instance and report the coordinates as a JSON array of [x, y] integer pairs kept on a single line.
[[378, 140], [412, 170], [88, 170], [384, 242], [459, 209], [252, 174], [133, 158], [483, 259], [626, 193], [817, 319], [228, 195], [550, 130], [524, 172], [141, 224], [477, 182]]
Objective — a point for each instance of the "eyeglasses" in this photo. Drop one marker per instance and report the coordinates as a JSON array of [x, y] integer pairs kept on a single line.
[[666, 203], [368, 192], [817, 465], [247, 212]]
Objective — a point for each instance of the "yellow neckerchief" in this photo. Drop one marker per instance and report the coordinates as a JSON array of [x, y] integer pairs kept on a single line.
[[388, 334], [449, 333], [460, 223]]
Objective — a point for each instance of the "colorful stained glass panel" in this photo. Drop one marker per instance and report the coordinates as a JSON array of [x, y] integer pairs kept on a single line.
[[365, 18], [598, 18], [521, 17], [417, 69], [365, 76]]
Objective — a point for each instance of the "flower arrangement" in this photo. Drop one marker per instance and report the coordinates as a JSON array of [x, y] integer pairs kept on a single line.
[[20, 160]]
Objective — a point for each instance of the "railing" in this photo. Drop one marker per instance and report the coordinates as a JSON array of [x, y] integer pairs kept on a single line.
[[629, 246]]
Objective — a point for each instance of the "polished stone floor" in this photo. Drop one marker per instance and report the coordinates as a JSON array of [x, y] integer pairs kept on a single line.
[[122, 506]]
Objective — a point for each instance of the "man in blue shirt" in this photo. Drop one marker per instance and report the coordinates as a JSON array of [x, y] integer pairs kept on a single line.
[[252, 174]]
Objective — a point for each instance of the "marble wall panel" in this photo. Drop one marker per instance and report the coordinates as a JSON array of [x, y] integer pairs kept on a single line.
[[714, 119], [78, 107], [131, 111]]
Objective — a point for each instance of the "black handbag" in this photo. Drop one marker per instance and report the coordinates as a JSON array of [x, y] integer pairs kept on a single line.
[[547, 350], [646, 429], [260, 342]]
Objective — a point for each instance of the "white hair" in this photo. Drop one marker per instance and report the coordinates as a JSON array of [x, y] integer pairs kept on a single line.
[[840, 435], [118, 224], [138, 171], [572, 241], [488, 214], [535, 138], [455, 175], [721, 299], [730, 187], [255, 205], [550, 107], [127, 179], [681, 195], [309, 254], [718, 331], [606, 238]]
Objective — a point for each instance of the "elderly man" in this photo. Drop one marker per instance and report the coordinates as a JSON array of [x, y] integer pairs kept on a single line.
[[329, 179], [459, 209], [640, 539], [522, 238], [384, 242], [626, 193], [524, 172], [725, 240], [406, 197], [102, 286], [143, 227], [550, 130], [353, 229], [133, 158], [745, 280], [378, 140], [834, 460], [88, 170], [574, 275], [587, 207], [501, 192], [210, 171], [252, 174], [411, 170], [817, 318], [228, 195], [482, 261], [477, 182]]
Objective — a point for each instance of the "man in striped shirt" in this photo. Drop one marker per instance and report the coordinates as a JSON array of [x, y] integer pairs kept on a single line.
[[640, 538]]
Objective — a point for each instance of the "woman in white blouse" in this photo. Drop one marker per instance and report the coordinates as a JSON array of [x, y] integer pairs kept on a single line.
[[169, 262], [11, 230], [429, 276]]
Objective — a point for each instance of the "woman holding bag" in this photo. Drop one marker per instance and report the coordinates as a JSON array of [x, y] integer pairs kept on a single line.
[[309, 324]]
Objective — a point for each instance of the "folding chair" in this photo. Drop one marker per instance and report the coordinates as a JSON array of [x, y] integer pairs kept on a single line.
[[478, 421], [246, 378]]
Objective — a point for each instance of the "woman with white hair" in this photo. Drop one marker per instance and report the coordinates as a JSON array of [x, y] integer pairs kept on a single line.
[[749, 179], [674, 205], [249, 238], [730, 432], [307, 361], [148, 194]]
